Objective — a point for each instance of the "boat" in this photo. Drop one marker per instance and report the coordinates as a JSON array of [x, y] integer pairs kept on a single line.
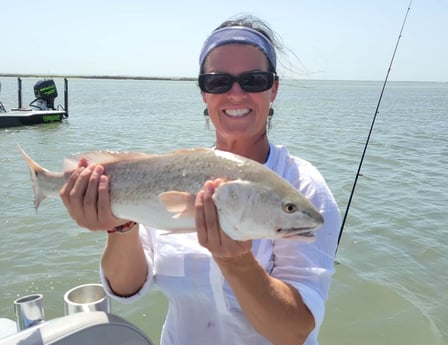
[[87, 320], [40, 110], [88, 328]]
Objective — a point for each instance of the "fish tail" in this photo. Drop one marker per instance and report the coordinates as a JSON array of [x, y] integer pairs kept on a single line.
[[35, 171]]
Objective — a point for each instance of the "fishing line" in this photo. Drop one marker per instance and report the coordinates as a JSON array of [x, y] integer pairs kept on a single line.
[[371, 126]]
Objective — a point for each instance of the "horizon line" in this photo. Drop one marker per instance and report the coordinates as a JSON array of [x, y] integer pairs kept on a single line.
[[131, 77]]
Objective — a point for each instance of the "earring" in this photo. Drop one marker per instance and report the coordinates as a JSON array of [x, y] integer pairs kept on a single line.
[[270, 114], [207, 119]]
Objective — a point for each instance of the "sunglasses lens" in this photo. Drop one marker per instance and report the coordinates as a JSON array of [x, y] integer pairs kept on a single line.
[[215, 83], [256, 81], [223, 82]]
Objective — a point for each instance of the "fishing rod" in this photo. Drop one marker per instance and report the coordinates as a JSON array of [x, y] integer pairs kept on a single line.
[[372, 124]]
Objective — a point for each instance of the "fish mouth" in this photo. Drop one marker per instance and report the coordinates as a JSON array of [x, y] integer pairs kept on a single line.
[[306, 233]]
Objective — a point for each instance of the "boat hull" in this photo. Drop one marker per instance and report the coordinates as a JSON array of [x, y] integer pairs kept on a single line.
[[26, 117]]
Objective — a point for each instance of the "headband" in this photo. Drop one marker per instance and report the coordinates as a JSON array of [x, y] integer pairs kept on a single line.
[[238, 34]]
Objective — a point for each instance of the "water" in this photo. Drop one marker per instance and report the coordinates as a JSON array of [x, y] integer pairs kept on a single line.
[[391, 282]]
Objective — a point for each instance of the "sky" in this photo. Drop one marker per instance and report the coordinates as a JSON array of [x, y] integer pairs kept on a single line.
[[326, 39]]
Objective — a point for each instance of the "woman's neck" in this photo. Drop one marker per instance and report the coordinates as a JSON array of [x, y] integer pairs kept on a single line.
[[257, 150]]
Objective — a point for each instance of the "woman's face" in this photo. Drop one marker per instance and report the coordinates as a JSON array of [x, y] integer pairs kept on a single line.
[[238, 114]]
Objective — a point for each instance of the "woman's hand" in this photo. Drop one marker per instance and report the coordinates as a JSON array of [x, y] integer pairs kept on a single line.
[[86, 196], [210, 234]]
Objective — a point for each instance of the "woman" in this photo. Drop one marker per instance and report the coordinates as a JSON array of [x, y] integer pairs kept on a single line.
[[223, 291]]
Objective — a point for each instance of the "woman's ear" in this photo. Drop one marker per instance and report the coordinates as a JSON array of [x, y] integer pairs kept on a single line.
[[274, 90]]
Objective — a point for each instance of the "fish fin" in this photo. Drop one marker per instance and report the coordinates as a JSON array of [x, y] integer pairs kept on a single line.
[[178, 231], [180, 203], [35, 171], [193, 150], [102, 157]]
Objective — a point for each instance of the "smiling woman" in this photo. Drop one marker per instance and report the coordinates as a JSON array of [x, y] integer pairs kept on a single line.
[[224, 290], [240, 117]]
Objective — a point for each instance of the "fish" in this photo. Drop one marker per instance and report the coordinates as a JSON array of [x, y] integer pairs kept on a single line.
[[159, 190]]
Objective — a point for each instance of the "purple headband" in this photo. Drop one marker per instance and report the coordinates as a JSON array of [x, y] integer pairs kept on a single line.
[[238, 34]]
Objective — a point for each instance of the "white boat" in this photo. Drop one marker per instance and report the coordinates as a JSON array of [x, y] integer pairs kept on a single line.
[[87, 328], [87, 320]]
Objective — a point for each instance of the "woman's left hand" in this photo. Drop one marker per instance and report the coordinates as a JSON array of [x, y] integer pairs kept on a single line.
[[210, 234], [273, 307]]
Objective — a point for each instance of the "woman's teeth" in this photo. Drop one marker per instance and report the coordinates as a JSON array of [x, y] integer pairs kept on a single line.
[[236, 112]]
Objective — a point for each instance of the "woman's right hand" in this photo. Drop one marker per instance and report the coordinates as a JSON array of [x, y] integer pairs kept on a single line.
[[86, 196]]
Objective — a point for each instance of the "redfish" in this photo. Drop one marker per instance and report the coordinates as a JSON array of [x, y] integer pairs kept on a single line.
[[159, 191]]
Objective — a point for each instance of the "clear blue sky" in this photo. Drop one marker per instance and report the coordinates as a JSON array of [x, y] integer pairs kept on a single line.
[[334, 39]]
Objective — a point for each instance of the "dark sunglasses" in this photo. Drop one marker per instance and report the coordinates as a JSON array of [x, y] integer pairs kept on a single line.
[[249, 82]]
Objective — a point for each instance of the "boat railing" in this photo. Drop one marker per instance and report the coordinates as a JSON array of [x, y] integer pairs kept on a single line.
[[2, 107]]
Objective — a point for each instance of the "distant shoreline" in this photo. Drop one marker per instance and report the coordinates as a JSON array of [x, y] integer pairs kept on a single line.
[[128, 77], [94, 77]]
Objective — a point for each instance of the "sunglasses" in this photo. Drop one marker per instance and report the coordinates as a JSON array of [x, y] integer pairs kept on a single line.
[[249, 82]]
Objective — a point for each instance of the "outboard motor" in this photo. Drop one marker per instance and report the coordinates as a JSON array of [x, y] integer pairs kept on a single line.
[[45, 92]]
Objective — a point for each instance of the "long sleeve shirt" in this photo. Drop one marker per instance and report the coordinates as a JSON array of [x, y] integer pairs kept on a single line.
[[202, 308]]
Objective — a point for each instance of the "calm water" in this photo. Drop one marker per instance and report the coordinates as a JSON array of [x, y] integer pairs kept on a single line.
[[391, 285]]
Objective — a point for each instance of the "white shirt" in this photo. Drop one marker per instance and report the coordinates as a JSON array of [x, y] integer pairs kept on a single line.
[[202, 308]]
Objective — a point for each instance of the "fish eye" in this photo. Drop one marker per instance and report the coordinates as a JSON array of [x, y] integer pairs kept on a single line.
[[289, 207]]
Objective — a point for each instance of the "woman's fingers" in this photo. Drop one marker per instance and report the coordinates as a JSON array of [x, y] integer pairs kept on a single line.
[[211, 216], [66, 194], [207, 224], [86, 196], [210, 234], [200, 219], [105, 215], [90, 200]]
